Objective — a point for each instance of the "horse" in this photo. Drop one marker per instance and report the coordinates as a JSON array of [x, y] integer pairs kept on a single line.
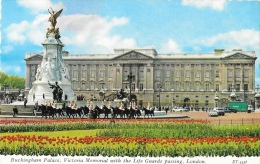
[[115, 112], [137, 112], [43, 109], [85, 111], [106, 111], [58, 111], [148, 112], [93, 113], [99, 111], [73, 112], [49, 111]]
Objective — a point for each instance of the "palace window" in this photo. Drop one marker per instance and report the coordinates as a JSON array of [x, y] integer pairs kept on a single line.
[[84, 73], [125, 75], [197, 74], [83, 86], [110, 85], [168, 73], [229, 87], [101, 73], [178, 73], [110, 73], [92, 85], [197, 86], [141, 74], [141, 87], [167, 86], [92, 73], [207, 74], [217, 87], [75, 73], [245, 73], [245, 87], [206, 102], [158, 73], [187, 86], [74, 85], [238, 73], [217, 73], [187, 74], [237, 87], [207, 87], [178, 87], [230, 73]]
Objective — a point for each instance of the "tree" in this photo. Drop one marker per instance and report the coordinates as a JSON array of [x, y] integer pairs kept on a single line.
[[3, 77], [13, 81]]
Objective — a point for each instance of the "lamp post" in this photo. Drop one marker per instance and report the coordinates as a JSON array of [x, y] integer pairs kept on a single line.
[[130, 78], [233, 93], [257, 98], [160, 87], [216, 100], [5, 87], [173, 102]]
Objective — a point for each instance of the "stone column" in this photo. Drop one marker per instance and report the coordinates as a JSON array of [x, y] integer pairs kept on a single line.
[[28, 77]]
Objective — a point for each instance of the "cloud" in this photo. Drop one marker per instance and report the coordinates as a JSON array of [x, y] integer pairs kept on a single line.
[[246, 39], [92, 36], [214, 4], [10, 68], [170, 47], [16, 32], [39, 6], [33, 32]]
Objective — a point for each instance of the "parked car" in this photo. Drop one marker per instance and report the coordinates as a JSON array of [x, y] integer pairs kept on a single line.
[[227, 110], [220, 111], [212, 113], [180, 109], [250, 109]]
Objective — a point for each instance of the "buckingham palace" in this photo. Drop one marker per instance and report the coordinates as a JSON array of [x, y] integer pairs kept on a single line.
[[185, 79]]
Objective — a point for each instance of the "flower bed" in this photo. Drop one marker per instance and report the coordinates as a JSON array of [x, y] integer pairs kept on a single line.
[[129, 146], [12, 121], [133, 138]]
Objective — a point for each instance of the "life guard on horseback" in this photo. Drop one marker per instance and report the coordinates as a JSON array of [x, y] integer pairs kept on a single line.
[[74, 106], [149, 111]]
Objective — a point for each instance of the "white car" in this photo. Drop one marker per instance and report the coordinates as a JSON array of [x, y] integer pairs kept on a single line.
[[180, 110], [250, 109], [212, 113]]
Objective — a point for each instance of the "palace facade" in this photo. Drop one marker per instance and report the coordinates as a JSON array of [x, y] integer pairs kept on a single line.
[[168, 79]]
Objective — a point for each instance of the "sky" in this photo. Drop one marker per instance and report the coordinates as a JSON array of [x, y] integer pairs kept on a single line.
[[99, 26]]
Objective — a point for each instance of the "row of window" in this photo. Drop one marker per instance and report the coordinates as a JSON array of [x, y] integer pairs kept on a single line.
[[167, 87], [101, 73]]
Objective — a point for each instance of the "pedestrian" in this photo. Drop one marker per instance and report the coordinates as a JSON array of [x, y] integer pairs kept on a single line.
[[36, 106], [15, 110], [35, 111], [25, 102], [166, 110]]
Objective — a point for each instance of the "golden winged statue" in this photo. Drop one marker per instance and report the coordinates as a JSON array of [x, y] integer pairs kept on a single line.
[[53, 17]]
